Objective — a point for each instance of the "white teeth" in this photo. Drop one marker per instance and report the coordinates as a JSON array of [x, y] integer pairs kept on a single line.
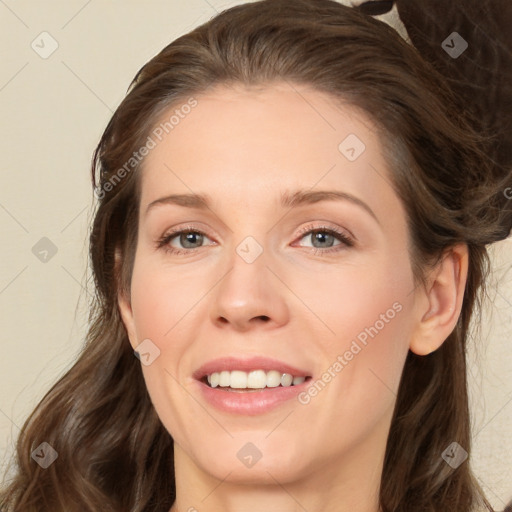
[[286, 379], [238, 380], [273, 379], [225, 379], [214, 379], [256, 379]]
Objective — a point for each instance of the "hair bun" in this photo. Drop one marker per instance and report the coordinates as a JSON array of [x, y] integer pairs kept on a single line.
[[470, 43]]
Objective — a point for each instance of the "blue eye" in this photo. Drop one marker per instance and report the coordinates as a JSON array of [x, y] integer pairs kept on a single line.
[[322, 237], [326, 237], [187, 238], [191, 240]]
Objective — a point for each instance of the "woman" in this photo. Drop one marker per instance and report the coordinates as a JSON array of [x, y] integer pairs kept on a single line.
[[273, 371]]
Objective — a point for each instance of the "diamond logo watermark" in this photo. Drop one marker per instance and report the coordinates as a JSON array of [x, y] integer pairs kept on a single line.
[[454, 45], [454, 455], [249, 249], [147, 352], [44, 455], [352, 147], [249, 455], [44, 45], [44, 250]]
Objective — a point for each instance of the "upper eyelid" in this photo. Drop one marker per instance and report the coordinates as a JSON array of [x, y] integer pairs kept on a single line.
[[303, 230], [338, 230]]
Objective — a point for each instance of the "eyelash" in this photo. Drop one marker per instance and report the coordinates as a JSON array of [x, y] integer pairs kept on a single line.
[[344, 238]]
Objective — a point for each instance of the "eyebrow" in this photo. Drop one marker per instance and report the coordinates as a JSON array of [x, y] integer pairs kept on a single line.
[[288, 200]]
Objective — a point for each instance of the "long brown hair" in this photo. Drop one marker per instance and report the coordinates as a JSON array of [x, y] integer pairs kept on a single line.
[[114, 454]]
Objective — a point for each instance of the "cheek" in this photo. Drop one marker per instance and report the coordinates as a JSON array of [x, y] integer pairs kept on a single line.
[[363, 302], [160, 300], [368, 312]]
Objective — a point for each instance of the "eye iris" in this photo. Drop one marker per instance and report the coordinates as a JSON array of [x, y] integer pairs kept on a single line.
[[186, 238], [320, 236]]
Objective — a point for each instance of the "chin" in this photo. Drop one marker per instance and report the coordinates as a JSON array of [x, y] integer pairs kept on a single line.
[[260, 461]]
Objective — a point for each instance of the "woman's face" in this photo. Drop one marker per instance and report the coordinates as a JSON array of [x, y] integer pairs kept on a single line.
[[278, 278]]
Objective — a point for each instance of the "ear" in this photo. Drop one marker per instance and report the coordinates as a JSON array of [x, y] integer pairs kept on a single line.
[[125, 307], [439, 303]]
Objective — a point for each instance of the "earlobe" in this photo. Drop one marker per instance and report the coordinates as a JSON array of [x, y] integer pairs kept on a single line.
[[441, 301]]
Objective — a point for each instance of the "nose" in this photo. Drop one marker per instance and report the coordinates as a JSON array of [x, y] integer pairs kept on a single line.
[[249, 296]]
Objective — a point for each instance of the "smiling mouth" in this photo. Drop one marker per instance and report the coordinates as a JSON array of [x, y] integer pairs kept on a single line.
[[256, 380]]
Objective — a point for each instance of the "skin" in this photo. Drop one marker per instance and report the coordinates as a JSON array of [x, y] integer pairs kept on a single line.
[[244, 147]]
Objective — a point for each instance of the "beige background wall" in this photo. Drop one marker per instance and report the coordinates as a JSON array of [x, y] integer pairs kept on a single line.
[[53, 111]]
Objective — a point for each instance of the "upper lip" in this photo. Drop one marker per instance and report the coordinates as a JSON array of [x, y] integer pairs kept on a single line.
[[247, 365]]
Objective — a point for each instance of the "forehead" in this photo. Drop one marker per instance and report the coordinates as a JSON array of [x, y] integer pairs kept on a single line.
[[254, 142]]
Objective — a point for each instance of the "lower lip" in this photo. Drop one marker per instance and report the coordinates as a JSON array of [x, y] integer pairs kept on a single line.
[[251, 402]]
